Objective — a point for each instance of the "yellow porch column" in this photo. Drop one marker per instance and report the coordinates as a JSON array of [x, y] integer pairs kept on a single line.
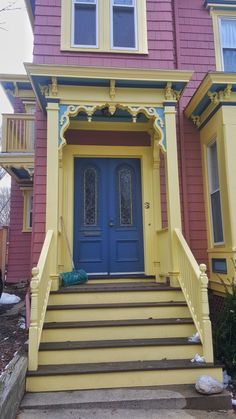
[[52, 200], [172, 189], [229, 127]]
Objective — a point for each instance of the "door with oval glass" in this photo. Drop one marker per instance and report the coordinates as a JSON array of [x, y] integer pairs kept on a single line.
[[108, 231]]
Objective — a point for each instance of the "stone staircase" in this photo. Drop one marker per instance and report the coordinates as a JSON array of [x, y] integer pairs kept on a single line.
[[114, 333]]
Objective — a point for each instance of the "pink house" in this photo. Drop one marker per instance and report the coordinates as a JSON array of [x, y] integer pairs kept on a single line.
[[121, 146]]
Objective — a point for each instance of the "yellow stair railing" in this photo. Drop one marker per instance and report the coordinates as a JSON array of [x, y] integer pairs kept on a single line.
[[40, 289], [18, 133], [194, 282]]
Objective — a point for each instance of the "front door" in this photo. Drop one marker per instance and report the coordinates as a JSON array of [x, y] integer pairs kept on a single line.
[[108, 232]]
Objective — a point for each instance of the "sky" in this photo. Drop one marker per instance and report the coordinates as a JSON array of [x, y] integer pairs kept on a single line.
[[16, 44]]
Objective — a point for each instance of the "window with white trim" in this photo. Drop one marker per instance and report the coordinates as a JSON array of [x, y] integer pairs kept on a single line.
[[28, 209], [228, 43], [104, 25], [84, 23], [123, 23], [214, 192]]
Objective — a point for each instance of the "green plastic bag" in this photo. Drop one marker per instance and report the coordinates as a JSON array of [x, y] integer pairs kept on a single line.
[[74, 277]]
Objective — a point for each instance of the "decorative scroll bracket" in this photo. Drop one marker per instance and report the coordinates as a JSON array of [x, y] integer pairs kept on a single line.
[[154, 114]]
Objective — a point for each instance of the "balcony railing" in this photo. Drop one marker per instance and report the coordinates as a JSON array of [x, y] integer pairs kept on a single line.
[[18, 133]]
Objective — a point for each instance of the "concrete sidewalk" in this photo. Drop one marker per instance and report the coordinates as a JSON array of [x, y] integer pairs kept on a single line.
[[123, 414]]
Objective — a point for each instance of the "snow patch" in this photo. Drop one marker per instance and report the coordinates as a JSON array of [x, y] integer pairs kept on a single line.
[[9, 298]]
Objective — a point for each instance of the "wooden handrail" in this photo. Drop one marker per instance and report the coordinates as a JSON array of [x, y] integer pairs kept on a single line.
[[40, 289], [194, 281]]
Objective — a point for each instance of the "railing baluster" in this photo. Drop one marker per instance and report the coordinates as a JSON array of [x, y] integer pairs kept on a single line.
[[18, 133]]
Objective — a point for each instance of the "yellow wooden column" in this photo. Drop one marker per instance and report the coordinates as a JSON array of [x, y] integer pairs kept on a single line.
[[52, 200], [157, 198], [172, 189], [229, 126]]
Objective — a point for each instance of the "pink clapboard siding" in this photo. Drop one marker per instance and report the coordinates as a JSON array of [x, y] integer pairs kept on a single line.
[[19, 267], [39, 199], [195, 51], [160, 40]]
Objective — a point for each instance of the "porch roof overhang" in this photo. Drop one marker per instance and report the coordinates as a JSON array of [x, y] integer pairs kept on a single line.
[[47, 79], [216, 90], [18, 165], [17, 86]]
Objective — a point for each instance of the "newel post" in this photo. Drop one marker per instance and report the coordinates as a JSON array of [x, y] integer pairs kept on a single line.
[[34, 321], [206, 323]]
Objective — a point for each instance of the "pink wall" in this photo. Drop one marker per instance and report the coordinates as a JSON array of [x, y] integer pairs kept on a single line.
[[39, 207], [194, 51], [160, 40], [19, 243]]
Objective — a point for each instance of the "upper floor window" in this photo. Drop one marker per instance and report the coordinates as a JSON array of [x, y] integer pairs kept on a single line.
[[228, 43], [84, 23], [104, 25]]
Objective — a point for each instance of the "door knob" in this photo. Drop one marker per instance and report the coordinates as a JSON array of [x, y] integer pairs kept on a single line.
[[111, 223]]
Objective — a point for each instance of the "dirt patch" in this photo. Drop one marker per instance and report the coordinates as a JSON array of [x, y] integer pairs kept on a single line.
[[13, 334]]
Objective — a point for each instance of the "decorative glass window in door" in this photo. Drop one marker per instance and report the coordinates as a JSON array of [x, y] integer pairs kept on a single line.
[[90, 197], [125, 181]]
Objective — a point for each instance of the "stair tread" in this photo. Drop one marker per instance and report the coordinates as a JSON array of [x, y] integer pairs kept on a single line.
[[107, 323], [117, 305], [115, 287], [49, 346], [106, 367]]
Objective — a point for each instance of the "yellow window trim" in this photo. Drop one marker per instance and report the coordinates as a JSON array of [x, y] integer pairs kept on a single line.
[[216, 16], [27, 193], [105, 29]]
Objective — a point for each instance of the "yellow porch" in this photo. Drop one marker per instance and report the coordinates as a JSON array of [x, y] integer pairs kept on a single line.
[[75, 98]]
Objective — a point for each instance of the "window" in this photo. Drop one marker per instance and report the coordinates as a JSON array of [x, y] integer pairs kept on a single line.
[[123, 16], [84, 23], [228, 43], [104, 25], [214, 192], [28, 209]]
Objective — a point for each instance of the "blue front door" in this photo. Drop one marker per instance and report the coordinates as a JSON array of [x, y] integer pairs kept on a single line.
[[108, 232]]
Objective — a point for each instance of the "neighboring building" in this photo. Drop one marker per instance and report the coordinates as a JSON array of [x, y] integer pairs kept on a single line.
[[118, 169]]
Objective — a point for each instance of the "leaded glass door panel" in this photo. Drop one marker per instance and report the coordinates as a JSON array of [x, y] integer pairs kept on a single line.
[[108, 236]]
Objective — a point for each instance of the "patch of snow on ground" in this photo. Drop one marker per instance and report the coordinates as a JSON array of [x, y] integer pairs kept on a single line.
[[9, 298]]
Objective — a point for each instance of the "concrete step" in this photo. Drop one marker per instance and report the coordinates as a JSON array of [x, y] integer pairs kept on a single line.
[[117, 350], [117, 375], [161, 397], [117, 329], [116, 311]]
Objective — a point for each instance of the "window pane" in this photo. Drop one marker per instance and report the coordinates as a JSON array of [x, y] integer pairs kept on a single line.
[[228, 33], [229, 56], [123, 2], [85, 1], [125, 197], [216, 217], [213, 167], [123, 27], [90, 197], [85, 25]]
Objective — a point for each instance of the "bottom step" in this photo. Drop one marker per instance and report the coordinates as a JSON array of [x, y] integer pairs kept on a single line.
[[164, 397], [117, 374]]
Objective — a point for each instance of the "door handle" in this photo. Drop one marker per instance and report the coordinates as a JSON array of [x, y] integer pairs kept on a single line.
[[111, 223]]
